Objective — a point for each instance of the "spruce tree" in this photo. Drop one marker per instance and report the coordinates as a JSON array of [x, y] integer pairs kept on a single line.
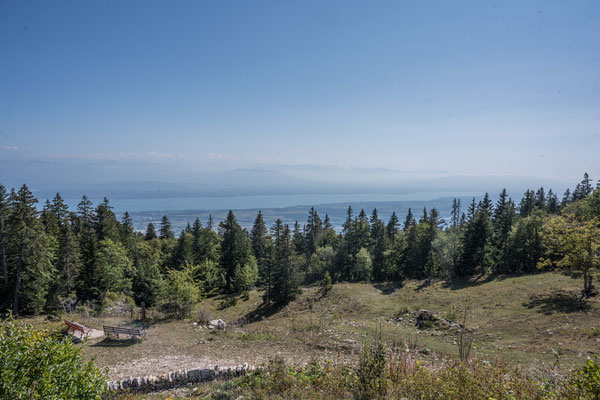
[[392, 227], [28, 254], [286, 277], [377, 246], [235, 250], [106, 224], [259, 236], [409, 221], [313, 231], [165, 231], [150, 232]]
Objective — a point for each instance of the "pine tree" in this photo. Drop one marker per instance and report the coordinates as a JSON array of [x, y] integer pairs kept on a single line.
[[392, 227], [68, 266], [502, 221], [286, 277], [28, 254], [409, 221], [150, 232], [59, 208], [377, 246], [540, 199], [552, 202], [313, 231], [50, 220], [527, 203], [259, 237], [106, 224], [567, 198], [165, 231], [455, 213], [235, 250], [184, 253]]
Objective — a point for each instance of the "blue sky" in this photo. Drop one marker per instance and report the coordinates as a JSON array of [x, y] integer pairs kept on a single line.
[[168, 89]]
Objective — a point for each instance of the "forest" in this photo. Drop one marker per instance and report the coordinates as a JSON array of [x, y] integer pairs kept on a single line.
[[57, 259]]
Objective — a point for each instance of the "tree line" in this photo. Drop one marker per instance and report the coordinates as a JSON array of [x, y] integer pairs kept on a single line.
[[58, 255]]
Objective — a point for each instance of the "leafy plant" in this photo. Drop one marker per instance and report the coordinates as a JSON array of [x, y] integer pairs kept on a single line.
[[37, 365]]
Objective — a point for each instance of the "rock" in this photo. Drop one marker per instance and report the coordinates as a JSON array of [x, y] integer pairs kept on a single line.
[[425, 351], [424, 319], [217, 324]]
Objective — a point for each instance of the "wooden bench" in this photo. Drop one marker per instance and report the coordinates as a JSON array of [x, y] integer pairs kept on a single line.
[[74, 326], [116, 331]]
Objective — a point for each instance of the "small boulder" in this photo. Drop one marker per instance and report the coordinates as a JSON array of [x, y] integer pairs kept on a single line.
[[217, 324]]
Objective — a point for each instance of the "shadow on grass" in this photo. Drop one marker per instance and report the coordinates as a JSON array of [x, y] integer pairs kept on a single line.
[[388, 288], [558, 301], [458, 284], [263, 311], [116, 342]]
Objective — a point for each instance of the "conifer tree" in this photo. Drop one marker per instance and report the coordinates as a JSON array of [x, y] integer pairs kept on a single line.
[[313, 231], [455, 213], [50, 220], [409, 221], [235, 250], [566, 198], [106, 224], [552, 203], [392, 227], [27, 254], [165, 231], [150, 232], [260, 239], [502, 221], [286, 277], [377, 246]]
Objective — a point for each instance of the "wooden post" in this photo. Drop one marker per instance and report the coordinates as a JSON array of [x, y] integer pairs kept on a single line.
[[143, 311]]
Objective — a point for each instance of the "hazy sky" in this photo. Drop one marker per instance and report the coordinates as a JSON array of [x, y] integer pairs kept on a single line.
[[464, 87]]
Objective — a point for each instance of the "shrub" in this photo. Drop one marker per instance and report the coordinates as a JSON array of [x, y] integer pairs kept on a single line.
[[326, 284], [36, 365], [372, 372], [587, 379], [180, 294]]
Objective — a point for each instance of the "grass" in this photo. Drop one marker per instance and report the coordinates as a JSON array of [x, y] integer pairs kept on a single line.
[[523, 320]]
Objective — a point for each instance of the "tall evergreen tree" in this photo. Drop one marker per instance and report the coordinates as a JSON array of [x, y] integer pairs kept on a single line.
[[377, 246], [455, 213], [409, 221], [106, 224], [165, 231], [286, 278], [392, 227], [313, 231], [150, 232], [28, 254], [235, 250], [502, 221], [260, 239]]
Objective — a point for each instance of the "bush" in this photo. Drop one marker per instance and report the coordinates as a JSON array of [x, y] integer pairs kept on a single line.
[[180, 294], [372, 372], [36, 365], [587, 379]]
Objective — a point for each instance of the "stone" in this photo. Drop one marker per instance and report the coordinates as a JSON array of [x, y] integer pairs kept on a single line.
[[217, 324]]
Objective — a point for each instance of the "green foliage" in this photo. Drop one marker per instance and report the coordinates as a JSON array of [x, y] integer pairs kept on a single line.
[[574, 244], [246, 275], [36, 365], [326, 285], [114, 270], [587, 379], [372, 372], [180, 293]]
